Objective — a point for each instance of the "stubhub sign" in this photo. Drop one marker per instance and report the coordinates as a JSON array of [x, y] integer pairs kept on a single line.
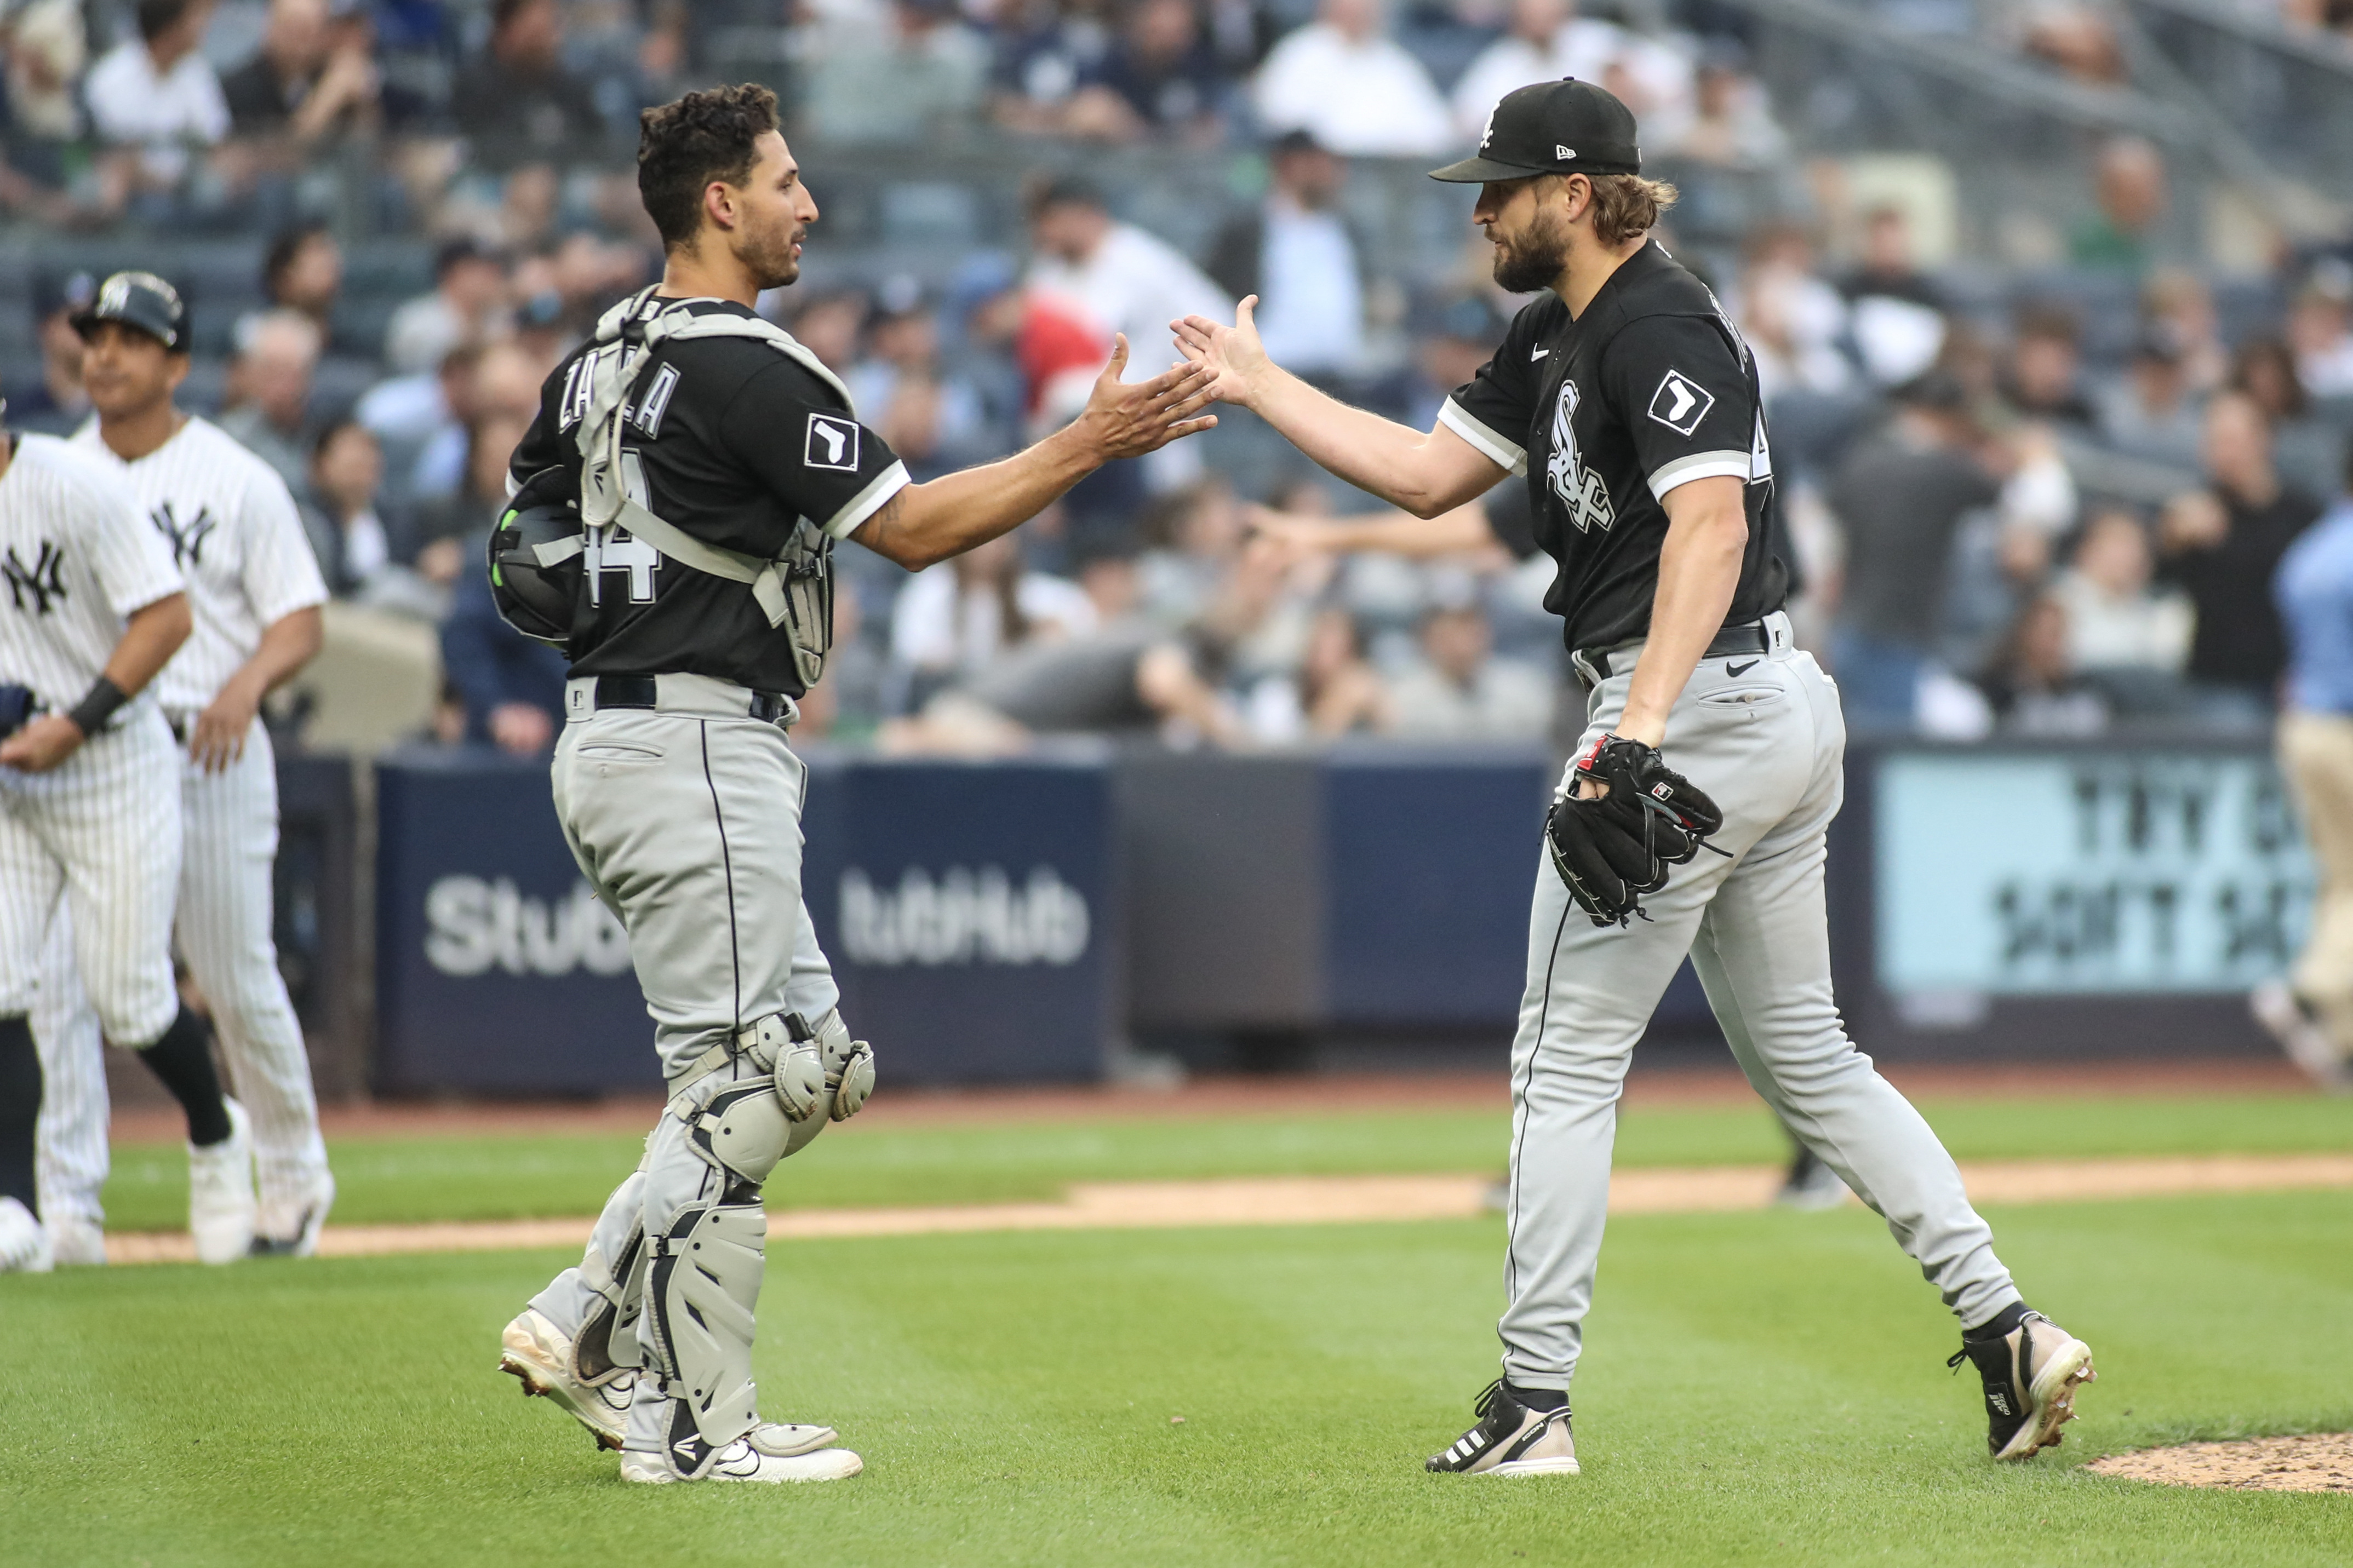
[[967, 909]]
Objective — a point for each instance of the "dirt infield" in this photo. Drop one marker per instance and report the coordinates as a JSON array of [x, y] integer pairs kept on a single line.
[[1342, 1200], [1271, 1096], [2320, 1462]]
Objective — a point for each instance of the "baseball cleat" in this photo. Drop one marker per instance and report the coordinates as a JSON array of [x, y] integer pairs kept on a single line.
[[1811, 1184], [2031, 1375], [769, 1452], [77, 1241], [220, 1193], [2300, 1035], [23, 1241], [1510, 1440], [291, 1229], [538, 1352]]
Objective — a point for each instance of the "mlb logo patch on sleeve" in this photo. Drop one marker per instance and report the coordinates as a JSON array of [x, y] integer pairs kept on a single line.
[[832, 443], [1681, 403]]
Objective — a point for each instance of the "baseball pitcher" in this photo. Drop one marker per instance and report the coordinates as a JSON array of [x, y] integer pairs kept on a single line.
[[1693, 818], [253, 591], [677, 503]]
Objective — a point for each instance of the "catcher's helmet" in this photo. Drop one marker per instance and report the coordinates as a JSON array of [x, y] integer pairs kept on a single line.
[[535, 562]]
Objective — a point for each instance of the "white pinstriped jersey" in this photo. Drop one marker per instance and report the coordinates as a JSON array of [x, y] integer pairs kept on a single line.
[[230, 522], [76, 559]]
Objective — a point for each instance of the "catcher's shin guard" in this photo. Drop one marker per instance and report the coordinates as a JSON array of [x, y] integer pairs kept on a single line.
[[700, 1294]]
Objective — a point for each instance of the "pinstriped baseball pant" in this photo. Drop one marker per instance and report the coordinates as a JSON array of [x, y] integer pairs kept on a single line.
[[1767, 744], [100, 834], [223, 929]]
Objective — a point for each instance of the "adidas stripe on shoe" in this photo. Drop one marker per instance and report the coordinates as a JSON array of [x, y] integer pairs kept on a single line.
[[1510, 1440]]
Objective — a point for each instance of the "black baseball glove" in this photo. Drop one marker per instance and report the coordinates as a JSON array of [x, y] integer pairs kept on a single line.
[[1612, 850]]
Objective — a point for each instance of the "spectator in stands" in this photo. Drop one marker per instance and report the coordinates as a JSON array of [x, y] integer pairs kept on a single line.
[[2116, 622], [303, 272], [2181, 303], [1039, 58], [2221, 545], [270, 391], [517, 104], [831, 326], [1459, 337], [1333, 691], [155, 96], [449, 527], [2078, 38], [2312, 1014], [1901, 496], [2045, 371], [1732, 124], [465, 305], [47, 51], [1896, 311], [505, 380], [1296, 253], [363, 557], [2033, 686], [937, 422], [2306, 449], [2316, 329], [511, 688], [300, 89], [957, 618], [57, 403], [2129, 188], [1159, 80], [2151, 412], [1792, 319], [1342, 79], [922, 77], [1460, 691], [1544, 41], [1195, 536]]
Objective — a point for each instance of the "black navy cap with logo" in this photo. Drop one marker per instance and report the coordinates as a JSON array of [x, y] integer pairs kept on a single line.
[[1566, 126], [138, 299]]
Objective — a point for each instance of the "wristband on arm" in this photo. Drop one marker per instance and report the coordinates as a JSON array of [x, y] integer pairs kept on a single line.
[[98, 705]]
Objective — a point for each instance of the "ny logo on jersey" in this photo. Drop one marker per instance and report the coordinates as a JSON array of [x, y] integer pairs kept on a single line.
[[186, 540], [43, 582], [1580, 489]]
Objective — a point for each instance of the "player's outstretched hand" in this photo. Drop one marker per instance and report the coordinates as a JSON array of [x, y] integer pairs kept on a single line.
[[42, 744], [1233, 356], [1124, 420]]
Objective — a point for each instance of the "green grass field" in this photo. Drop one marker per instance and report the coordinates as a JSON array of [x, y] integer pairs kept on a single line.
[[1764, 1388]]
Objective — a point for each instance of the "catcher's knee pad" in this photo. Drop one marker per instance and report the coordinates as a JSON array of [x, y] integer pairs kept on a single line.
[[700, 1294]]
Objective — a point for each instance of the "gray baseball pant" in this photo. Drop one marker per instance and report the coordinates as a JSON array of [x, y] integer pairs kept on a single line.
[[1767, 744], [686, 821]]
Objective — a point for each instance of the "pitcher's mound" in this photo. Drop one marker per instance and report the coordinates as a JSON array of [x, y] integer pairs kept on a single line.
[[2321, 1462]]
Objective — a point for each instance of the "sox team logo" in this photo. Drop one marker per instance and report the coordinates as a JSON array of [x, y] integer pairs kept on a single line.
[[1580, 489], [1681, 403], [43, 582], [186, 540], [832, 443]]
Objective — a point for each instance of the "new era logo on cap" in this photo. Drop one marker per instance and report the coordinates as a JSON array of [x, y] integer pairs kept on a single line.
[[1564, 153]]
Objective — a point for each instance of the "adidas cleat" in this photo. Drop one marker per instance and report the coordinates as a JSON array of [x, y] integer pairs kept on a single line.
[[1510, 1440]]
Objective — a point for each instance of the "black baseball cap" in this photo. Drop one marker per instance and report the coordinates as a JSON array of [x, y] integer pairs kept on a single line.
[[1566, 126], [140, 300]]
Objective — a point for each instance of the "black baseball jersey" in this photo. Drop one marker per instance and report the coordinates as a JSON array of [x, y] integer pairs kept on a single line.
[[733, 442], [1604, 415]]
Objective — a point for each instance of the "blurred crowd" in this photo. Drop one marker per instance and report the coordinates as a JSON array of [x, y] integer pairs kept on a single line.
[[2013, 511]]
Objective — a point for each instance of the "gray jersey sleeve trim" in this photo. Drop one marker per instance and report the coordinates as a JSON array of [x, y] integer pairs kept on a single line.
[[1509, 453], [1699, 466], [869, 501]]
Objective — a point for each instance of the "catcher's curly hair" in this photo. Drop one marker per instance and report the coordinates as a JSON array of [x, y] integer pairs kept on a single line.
[[683, 146]]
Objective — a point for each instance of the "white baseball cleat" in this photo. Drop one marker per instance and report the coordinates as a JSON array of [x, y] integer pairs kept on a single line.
[[289, 1228], [2031, 1376], [535, 1350], [771, 1451], [23, 1241], [220, 1193], [77, 1241], [1510, 1440], [2280, 1010]]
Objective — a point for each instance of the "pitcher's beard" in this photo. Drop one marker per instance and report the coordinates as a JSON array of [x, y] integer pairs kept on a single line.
[[1535, 259]]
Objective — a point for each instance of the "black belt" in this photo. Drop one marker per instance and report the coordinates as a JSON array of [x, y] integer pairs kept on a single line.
[[1749, 638], [640, 691]]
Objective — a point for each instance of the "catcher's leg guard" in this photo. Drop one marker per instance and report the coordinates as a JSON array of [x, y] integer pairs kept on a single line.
[[700, 1294]]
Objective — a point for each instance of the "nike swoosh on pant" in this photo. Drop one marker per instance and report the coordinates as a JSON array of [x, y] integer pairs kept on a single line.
[[1739, 669]]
